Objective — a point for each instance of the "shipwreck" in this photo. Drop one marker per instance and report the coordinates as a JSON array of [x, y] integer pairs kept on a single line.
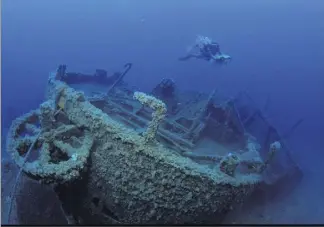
[[115, 155]]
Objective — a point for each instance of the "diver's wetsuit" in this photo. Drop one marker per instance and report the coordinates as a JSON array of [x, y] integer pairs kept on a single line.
[[205, 53]]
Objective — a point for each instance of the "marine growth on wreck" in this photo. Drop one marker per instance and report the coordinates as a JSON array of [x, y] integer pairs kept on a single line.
[[117, 155]]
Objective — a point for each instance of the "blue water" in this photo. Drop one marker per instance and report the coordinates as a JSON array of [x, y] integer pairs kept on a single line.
[[277, 49]]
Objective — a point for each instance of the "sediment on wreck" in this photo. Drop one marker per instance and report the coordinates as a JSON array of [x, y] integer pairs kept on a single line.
[[106, 173]]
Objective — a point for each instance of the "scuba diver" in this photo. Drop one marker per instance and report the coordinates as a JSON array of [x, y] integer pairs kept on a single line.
[[206, 49]]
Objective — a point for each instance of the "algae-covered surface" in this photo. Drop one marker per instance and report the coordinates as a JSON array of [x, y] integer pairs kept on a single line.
[[104, 172]]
